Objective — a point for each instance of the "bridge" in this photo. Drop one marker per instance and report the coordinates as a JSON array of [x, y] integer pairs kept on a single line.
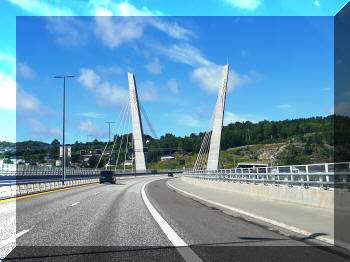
[[149, 216]]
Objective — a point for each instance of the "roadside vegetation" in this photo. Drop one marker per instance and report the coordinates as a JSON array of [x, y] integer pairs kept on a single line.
[[298, 141]]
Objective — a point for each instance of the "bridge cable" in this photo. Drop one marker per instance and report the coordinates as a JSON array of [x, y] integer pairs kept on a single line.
[[127, 142], [122, 139], [205, 147], [116, 136], [149, 124]]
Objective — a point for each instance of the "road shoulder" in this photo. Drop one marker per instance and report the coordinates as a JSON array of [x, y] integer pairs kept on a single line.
[[289, 218]]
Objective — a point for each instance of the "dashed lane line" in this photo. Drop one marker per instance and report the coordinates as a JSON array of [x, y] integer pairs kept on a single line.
[[13, 238]]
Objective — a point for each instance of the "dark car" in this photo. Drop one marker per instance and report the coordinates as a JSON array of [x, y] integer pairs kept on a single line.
[[170, 174], [108, 176]]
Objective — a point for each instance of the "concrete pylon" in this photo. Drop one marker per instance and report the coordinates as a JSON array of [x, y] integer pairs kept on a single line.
[[215, 141], [137, 131]]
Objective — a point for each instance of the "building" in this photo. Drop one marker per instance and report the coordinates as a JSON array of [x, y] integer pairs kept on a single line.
[[166, 158], [128, 163]]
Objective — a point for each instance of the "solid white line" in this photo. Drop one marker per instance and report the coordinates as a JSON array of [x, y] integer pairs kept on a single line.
[[13, 238], [267, 220], [76, 203], [185, 251], [168, 231]]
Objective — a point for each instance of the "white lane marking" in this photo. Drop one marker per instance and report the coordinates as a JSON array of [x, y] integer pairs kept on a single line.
[[76, 203], [186, 252], [270, 221], [13, 238]]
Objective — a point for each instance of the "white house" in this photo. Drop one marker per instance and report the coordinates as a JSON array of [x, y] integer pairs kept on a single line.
[[165, 158]]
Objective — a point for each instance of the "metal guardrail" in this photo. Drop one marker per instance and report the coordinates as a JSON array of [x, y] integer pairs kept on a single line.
[[326, 175]]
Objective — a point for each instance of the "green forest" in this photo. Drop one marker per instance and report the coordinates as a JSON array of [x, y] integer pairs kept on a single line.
[[303, 140]]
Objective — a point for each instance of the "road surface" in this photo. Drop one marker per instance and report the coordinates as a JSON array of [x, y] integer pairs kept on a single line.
[[104, 222]]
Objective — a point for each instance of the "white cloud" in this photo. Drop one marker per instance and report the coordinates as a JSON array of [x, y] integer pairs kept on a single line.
[[188, 120], [207, 74], [7, 91], [232, 118], [244, 4], [342, 108], [184, 119], [109, 7], [25, 71], [39, 7], [111, 94], [184, 53], [39, 131], [8, 61], [27, 102], [68, 30], [148, 91], [154, 67], [172, 29], [92, 129], [330, 110], [88, 78], [209, 78], [172, 85], [90, 114], [317, 3], [105, 92], [327, 89], [284, 106], [115, 31]]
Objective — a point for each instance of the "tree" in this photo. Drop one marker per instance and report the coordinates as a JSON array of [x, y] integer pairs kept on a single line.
[[7, 161], [93, 161], [54, 150]]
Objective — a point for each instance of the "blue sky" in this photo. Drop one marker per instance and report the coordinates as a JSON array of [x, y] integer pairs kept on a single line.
[[280, 67]]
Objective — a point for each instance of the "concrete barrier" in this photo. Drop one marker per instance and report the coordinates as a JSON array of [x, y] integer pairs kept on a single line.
[[27, 189], [312, 197]]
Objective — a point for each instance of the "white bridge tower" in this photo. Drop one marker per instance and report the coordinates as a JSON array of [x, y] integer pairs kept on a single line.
[[137, 131]]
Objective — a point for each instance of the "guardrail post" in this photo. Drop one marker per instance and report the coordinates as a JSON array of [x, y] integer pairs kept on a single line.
[[326, 169]]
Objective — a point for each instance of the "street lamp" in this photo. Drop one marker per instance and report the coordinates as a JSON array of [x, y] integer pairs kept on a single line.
[[109, 130], [64, 119]]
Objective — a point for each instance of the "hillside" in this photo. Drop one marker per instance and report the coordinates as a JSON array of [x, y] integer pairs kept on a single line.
[[297, 141], [294, 151]]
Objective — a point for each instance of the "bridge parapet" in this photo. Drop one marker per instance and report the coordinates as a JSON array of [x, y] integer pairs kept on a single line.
[[325, 175], [21, 170]]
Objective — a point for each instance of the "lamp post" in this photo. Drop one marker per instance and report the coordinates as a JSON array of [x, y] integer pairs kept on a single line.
[[64, 119], [109, 130]]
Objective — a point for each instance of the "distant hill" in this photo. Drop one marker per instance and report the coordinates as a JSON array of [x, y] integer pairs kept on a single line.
[[4, 144], [297, 141]]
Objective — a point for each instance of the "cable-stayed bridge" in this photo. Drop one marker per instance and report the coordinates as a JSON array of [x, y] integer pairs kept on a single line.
[[147, 212]]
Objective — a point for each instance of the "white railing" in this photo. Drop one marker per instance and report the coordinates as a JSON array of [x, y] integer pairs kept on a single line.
[[326, 175], [22, 170]]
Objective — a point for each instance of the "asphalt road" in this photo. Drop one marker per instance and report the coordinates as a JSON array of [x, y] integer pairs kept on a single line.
[[105, 222]]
